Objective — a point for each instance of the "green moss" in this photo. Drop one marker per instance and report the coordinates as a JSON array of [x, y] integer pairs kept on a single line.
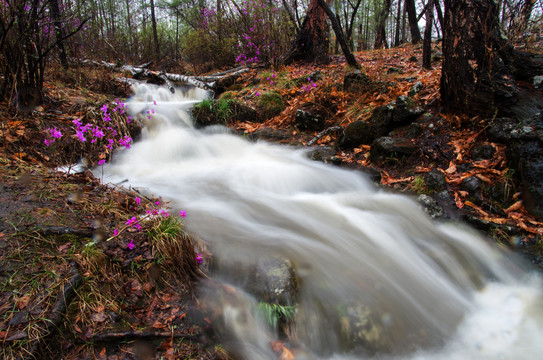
[[270, 104]]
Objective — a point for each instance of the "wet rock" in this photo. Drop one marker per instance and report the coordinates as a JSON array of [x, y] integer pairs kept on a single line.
[[435, 180], [383, 120], [386, 147], [415, 89], [472, 185], [430, 206], [321, 154], [405, 110], [356, 81], [504, 130], [274, 282], [538, 82], [267, 133], [483, 152], [310, 118], [394, 70], [527, 160], [356, 133], [413, 130], [413, 59], [270, 280]]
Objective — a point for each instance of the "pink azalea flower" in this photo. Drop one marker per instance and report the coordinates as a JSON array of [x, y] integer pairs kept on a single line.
[[115, 232], [199, 259], [131, 245], [183, 214], [101, 162]]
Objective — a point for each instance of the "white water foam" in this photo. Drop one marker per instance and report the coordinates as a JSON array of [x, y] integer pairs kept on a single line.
[[434, 291]]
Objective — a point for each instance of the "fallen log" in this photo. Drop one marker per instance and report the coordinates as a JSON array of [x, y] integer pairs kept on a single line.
[[216, 82]]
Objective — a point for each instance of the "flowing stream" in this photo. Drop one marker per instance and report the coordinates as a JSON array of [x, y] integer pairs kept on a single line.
[[378, 278]]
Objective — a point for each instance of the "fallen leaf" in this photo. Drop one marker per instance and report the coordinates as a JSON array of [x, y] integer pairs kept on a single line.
[[23, 301], [286, 354], [99, 317], [516, 206]]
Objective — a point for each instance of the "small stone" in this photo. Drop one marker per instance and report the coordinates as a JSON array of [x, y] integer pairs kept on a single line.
[[538, 82], [483, 152], [435, 179], [471, 184], [415, 89]]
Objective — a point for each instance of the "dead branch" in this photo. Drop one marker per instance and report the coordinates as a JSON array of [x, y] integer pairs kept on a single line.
[[325, 132], [141, 334]]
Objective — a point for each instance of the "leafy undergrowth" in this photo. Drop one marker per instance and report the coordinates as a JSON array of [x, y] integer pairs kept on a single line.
[[125, 292], [88, 271]]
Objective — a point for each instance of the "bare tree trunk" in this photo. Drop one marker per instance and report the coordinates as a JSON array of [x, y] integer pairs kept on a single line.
[[404, 23], [398, 19], [427, 45], [480, 68], [59, 32], [351, 60], [520, 23], [413, 25], [155, 33], [381, 38], [311, 43], [439, 14]]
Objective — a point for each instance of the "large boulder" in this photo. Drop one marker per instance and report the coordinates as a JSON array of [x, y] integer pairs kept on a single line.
[[524, 150], [309, 117], [384, 119], [356, 81], [388, 147]]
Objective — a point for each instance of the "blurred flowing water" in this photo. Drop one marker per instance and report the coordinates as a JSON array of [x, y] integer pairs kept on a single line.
[[422, 290]]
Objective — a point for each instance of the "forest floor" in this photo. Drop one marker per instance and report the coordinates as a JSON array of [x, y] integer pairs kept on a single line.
[[77, 282]]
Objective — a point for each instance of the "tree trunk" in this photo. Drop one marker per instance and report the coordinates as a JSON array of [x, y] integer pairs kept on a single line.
[[479, 66], [413, 25], [381, 38], [427, 45], [520, 23], [398, 19], [155, 33], [59, 32], [311, 43], [351, 60], [404, 22], [439, 14]]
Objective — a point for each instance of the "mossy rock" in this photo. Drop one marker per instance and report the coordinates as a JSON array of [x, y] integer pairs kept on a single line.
[[270, 104]]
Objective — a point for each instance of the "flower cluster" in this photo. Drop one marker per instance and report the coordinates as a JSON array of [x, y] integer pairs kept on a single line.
[[135, 223], [309, 86], [96, 133], [51, 135], [257, 42]]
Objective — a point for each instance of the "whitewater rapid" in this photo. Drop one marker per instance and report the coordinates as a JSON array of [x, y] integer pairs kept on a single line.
[[435, 291]]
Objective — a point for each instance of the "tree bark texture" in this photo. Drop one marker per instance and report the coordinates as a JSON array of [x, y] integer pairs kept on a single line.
[[381, 38], [427, 44], [520, 23], [59, 32], [311, 43], [480, 67], [351, 60], [155, 33], [412, 17]]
